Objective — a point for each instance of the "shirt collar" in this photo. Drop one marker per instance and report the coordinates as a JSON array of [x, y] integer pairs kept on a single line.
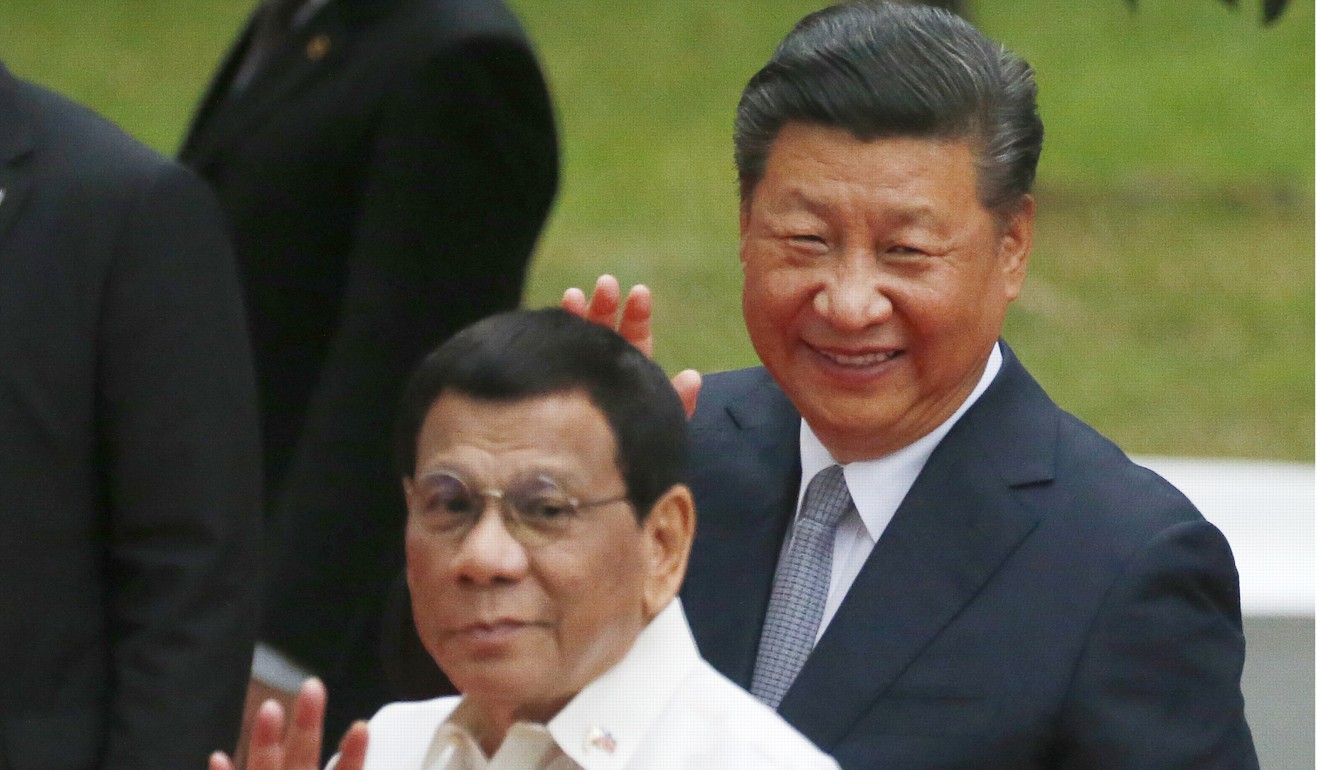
[[878, 486], [453, 744], [602, 726]]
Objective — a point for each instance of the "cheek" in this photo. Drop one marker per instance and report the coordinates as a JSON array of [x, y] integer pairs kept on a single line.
[[597, 632], [945, 298], [927, 309], [981, 304], [582, 588], [596, 580], [427, 594], [951, 327], [774, 298], [422, 565]]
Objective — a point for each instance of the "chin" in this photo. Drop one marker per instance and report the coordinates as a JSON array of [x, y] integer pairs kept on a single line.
[[487, 680]]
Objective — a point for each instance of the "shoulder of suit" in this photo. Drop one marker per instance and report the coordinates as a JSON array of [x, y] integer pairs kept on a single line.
[[74, 136], [1105, 486], [723, 387], [743, 398], [1102, 472], [445, 23]]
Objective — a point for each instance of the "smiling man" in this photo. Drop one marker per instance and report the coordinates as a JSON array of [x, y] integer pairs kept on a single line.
[[547, 536], [905, 546], [875, 282]]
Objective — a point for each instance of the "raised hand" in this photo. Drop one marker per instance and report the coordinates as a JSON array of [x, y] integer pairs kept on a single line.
[[633, 325], [271, 747], [603, 308]]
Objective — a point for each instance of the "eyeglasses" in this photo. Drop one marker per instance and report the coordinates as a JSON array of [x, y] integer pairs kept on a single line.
[[536, 510]]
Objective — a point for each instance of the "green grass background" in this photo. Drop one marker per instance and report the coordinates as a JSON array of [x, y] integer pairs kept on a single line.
[[1171, 297]]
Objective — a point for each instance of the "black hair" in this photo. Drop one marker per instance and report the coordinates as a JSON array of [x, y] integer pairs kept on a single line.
[[524, 354], [881, 69]]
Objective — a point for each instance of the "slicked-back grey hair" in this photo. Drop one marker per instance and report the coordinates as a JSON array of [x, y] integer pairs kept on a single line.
[[879, 69]]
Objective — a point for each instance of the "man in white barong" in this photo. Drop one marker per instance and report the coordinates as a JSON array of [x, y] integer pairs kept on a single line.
[[548, 534]]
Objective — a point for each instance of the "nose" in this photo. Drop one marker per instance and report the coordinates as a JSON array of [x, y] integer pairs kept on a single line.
[[489, 554], [853, 296]]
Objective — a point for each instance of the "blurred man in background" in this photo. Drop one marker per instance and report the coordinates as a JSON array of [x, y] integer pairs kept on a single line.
[[129, 471], [385, 167]]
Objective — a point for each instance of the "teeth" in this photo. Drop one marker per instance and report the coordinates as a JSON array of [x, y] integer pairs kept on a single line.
[[863, 359]]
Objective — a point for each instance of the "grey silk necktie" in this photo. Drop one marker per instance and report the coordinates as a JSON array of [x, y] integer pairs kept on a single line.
[[802, 582]]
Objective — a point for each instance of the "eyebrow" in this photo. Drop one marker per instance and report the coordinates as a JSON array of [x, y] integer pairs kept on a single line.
[[559, 476], [910, 214], [799, 198], [915, 215]]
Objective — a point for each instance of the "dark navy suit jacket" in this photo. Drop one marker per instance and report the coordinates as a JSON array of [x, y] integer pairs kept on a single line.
[[129, 472], [385, 178], [1038, 600]]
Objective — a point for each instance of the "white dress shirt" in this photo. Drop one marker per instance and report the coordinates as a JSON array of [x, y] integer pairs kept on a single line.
[[877, 487], [660, 708]]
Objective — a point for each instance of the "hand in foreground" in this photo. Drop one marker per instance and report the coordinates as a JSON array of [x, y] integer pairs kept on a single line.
[[258, 692], [634, 325], [270, 748]]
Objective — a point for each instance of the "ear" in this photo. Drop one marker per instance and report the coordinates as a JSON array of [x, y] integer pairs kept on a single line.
[[409, 498], [409, 492], [1015, 241], [744, 223], [667, 534]]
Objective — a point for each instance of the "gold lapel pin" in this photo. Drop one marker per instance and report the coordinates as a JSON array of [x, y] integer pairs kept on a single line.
[[318, 46]]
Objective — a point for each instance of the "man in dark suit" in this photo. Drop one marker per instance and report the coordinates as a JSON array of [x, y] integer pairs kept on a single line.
[[973, 578], [129, 478], [385, 167]]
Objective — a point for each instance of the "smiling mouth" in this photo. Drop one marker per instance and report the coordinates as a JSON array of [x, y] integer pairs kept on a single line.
[[859, 359]]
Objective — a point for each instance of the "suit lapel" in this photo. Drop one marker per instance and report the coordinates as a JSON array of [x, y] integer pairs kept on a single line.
[[16, 144], [746, 481], [960, 521], [225, 118], [217, 92]]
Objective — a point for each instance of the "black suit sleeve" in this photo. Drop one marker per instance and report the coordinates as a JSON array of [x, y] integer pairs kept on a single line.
[[178, 449], [1158, 684], [462, 171]]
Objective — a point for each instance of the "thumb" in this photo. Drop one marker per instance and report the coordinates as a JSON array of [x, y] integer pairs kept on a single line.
[[688, 385]]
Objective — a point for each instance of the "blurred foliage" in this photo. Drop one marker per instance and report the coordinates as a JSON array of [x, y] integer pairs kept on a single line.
[[1171, 298]]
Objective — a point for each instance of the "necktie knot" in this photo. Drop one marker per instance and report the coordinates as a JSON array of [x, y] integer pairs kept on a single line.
[[827, 497]]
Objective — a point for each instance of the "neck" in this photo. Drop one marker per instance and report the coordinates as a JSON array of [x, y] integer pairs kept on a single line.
[[488, 723]]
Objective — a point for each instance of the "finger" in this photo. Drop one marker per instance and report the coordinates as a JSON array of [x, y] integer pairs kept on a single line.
[[688, 385], [303, 747], [258, 693], [266, 748], [604, 304], [220, 761], [353, 748], [575, 302], [635, 324]]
